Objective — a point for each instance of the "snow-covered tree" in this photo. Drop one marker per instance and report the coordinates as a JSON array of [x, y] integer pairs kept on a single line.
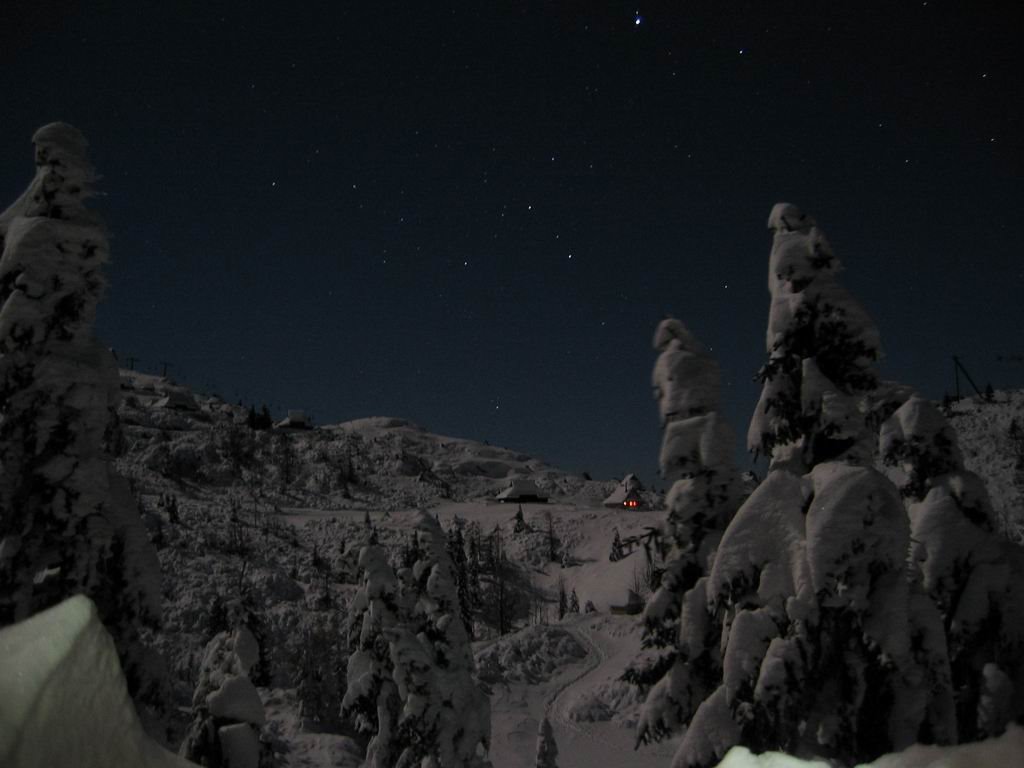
[[411, 684], [371, 700], [460, 568], [547, 748], [616, 553], [696, 454], [808, 585], [574, 602], [445, 718], [966, 569], [320, 674], [227, 713], [805, 635], [520, 525], [68, 523]]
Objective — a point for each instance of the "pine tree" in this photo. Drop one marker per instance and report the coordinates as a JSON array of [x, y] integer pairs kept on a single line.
[[965, 568], [696, 455], [460, 567], [552, 541], [226, 706], [798, 639], [286, 458], [616, 551], [445, 717], [574, 602], [563, 600], [371, 701], [473, 586], [319, 680], [520, 523], [68, 523], [547, 748]]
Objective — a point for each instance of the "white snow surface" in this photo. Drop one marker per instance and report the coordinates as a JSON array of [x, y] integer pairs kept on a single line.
[[64, 702], [1001, 752]]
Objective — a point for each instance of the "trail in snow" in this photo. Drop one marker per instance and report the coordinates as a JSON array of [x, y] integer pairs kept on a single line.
[[556, 706], [586, 744]]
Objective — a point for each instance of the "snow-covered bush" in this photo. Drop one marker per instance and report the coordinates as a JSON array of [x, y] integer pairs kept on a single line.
[[68, 522], [531, 655]]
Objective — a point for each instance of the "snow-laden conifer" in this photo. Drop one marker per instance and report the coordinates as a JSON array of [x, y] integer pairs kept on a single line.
[[68, 522], [445, 717], [227, 712], [371, 700], [966, 569], [696, 454], [799, 636]]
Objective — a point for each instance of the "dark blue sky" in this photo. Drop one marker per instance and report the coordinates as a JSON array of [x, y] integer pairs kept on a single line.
[[371, 209]]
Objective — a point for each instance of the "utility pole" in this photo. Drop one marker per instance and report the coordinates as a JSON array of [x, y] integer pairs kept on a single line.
[[957, 368], [132, 360], [167, 365]]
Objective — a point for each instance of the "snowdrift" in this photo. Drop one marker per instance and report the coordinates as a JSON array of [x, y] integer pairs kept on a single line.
[[1003, 752], [64, 700]]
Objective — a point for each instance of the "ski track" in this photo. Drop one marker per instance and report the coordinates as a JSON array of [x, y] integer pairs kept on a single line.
[[552, 709], [604, 744]]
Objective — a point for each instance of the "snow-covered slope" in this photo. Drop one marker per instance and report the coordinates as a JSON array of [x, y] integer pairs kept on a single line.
[[377, 462]]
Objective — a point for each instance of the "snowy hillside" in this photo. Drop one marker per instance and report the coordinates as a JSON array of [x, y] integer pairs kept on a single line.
[[379, 462]]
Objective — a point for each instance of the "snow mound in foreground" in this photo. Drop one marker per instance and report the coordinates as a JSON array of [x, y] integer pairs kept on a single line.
[[64, 699], [994, 753], [532, 655]]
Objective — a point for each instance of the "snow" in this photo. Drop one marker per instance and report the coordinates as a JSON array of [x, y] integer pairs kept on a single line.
[[1000, 752], [237, 699], [856, 524], [65, 703], [774, 565], [240, 745]]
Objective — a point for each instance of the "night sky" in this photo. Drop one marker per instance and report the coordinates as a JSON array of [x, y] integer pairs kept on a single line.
[[473, 216]]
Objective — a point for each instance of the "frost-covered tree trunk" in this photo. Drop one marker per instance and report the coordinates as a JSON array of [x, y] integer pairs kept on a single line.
[[971, 574], [681, 662], [68, 522]]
